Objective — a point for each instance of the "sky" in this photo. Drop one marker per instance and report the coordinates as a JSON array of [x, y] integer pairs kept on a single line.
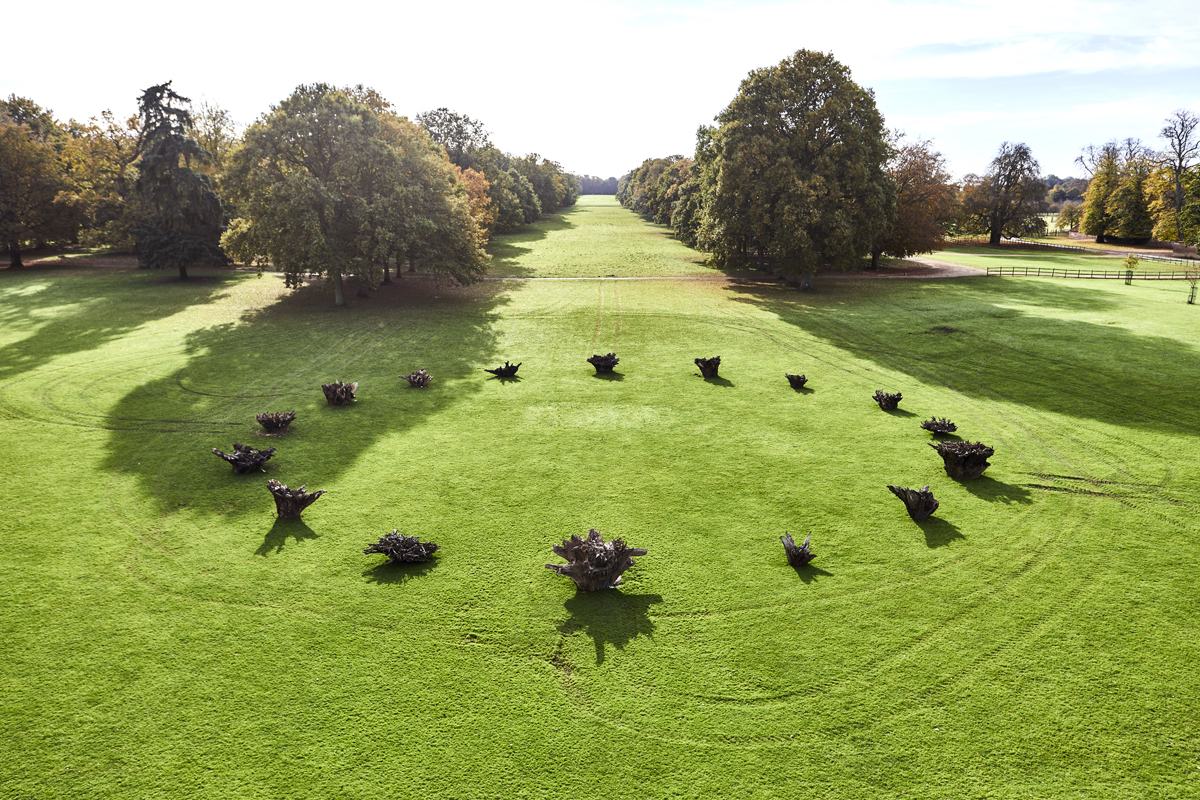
[[601, 85]]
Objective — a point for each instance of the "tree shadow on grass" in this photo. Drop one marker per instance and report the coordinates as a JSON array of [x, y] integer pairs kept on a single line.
[[389, 572], [610, 617], [992, 490], [281, 531], [939, 532]]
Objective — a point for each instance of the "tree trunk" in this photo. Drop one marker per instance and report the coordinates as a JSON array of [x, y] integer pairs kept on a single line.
[[387, 274], [182, 272], [875, 258], [14, 255], [339, 291], [994, 237]]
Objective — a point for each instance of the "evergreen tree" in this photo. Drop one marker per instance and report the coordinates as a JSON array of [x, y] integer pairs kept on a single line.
[[1128, 209]]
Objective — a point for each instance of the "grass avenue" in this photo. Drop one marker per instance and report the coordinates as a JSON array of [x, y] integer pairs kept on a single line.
[[166, 636]]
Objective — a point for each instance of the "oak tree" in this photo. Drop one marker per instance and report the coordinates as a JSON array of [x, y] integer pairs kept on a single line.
[[1006, 200]]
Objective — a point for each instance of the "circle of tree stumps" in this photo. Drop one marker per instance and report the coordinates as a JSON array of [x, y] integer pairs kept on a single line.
[[797, 381], [941, 427], [594, 563], [338, 393], [277, 422], [419, 379], [402, 549], [245, 459], [604, 363], [797, 556], [709, 366], [290, 503], [964, 461], [507, 371], [887, 402], [919, 502]]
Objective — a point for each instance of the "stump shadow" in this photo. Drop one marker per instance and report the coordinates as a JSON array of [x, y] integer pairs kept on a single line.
[[994, 491], [899, 412], [609, 376], [939, 532], [277, 537], [808, 573], [610, 617], [717, 381], [802, 389], [503, 380], [390, 572]]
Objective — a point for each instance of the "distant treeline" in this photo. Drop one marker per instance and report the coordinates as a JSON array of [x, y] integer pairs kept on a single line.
[[591, 184]]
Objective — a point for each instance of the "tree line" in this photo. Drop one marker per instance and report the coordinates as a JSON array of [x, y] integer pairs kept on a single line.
[[800, 173], [329, 182]]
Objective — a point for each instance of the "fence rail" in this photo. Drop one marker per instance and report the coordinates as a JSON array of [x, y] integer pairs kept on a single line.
[[1059, 272], [1159, 259]]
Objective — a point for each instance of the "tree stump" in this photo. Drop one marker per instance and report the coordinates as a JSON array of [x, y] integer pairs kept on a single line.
[[400, 548], [964, 461], [507, 371], [277, 422], [941, 426], [919, 502], [797, 381], [290, 503], [594, 563], [797, 556], [338, 393], [246, 459], [709, 366], [419, 379], [604, 363], [887, 402]]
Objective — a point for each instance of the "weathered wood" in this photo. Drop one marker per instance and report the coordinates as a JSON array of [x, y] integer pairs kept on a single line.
[[919, 502], [709, 366], [419, 379], [400, 548], [797, 556], [964, 461], [941, 426], [797, 381], [507, 371], [245, 459], [594, 563], [604, 363], [290, 503], [277, 422], [338, 393], [887, 402]]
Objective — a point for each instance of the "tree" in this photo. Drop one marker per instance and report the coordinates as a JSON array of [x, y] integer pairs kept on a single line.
[[1116, 203], [101, 154], [459, 134], [1128, 209], [1103, 164], [799, 168], [925, 201], [36, 201], [1007, 199], [1069, 216], [179, 219], [1183, 148]]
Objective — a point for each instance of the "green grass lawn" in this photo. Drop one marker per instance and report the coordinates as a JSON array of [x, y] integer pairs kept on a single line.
[[167, 637]]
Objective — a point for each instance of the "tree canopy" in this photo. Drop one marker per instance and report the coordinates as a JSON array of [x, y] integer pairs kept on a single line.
[[1005, 201], [926, 201]]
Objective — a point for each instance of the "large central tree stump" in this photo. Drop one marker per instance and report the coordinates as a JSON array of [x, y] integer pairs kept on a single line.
[[709, 366], [290, 503], [604, 363], [964, 461], [277, 422], [338, 393], [400, 548], [245, 459], [797, 556], [507, 371], [887, 402], [919, 502], [419, 379], [940, 427], [594, 563], [797, 381]]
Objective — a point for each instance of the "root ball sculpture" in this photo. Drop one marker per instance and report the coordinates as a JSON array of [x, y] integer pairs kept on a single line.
[[400, 548], [290, 503], [507, 371], [245, 459], [964, 461], [887, 402], [604, 363], [277, 422], [594, 563], [338, 393], [797, 381], [419, 379], [797, 556], [709, 366], [919, 502], [939, 426]]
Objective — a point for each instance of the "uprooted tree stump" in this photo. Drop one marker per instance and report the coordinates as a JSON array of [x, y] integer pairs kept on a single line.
[[919, 502], [604, 363], [419, 379], [797, 381], [964, 461], [338, 393], [709, 366], [594, 563], [887, 402], [245, 459], [277, 422], [401, 549], [290, 503], [507, 371], [941, 426], [797, 556]]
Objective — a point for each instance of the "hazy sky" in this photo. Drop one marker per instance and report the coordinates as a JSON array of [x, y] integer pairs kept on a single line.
[[600, 85]]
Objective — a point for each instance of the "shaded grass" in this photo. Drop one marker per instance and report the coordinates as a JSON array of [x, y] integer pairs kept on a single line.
[[1010, 257]]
